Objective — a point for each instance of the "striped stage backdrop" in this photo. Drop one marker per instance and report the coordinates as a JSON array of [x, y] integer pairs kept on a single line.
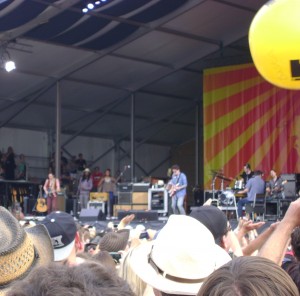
[[246, 119]]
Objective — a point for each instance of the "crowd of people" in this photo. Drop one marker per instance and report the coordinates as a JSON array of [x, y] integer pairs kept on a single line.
[[10, 167], [197, 254]]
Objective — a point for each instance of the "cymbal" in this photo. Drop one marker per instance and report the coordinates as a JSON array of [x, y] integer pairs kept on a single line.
[[216, 172], [224, 178]]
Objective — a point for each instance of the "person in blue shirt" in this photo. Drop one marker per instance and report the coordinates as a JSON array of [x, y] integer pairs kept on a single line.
[[256, 185], [177, 190]]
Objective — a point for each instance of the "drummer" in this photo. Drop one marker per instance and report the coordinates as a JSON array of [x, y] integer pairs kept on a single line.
[[256, 185], [247, 174]]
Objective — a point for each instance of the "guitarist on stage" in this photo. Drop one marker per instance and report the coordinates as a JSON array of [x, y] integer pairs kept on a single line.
[[51, 187], [177, 189], [275, 186]]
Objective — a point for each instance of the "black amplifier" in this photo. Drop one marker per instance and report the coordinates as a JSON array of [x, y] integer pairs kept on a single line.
[[124, 187]]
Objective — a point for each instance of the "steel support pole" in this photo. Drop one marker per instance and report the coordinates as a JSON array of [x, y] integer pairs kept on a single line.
[[132, 137], [197, 114], [58, 131]]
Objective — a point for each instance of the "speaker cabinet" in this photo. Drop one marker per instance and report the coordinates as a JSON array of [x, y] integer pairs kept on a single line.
[[140, 197], [91, 215], [124, 198], [290, 189], [139, 215], [288, 177]]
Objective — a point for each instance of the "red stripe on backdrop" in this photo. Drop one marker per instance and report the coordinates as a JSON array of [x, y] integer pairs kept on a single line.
[[233, 166], [279, 153], [217, 80], [218, 109], [234, 130]]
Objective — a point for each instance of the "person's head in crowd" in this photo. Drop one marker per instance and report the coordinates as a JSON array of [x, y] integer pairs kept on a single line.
[[126, 272], [183, 254], [89, 278], [215, 220], [249, 275], [293, 270], [295, 243], [21, 157], [114, 241], [86, 234], [105, 259], [64, 236], [10, 150], [21, 250], [96, 169]]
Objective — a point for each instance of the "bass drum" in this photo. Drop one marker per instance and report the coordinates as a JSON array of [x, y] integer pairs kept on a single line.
[[226, 198]]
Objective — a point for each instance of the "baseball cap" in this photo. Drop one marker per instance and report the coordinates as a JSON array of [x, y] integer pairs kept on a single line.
[[213, 218], [62, 230]]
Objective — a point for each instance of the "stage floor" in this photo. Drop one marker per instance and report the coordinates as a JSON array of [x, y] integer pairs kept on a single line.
[[156, 225]]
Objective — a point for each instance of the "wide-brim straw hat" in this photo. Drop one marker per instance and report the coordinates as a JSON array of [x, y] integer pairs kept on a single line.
[[180, 258], [114, 241], [21, 249]]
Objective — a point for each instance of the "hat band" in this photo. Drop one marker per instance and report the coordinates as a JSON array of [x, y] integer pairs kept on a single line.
[[171, 277], [17, 263]]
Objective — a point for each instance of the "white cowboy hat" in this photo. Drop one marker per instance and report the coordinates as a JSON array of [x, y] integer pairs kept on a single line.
[[180, 258]]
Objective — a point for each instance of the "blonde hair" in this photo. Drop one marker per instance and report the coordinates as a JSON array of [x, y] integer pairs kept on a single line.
[[249, 276], [137, 285]]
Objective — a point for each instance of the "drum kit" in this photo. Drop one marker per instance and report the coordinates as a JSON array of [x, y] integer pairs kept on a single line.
[[225, 197]]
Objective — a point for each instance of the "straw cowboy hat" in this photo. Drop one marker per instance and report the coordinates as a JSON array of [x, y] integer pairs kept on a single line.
[[114, 241], [180, 258], [21, 249]]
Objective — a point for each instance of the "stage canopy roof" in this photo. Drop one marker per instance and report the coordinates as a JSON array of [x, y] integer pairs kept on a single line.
[[155, 50]]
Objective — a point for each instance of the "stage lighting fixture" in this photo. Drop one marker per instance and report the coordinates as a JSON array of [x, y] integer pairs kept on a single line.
[[10, 66], [90, 6], [5, 60]]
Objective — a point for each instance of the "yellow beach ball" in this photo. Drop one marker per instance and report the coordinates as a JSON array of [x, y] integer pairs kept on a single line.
[[274, 39]]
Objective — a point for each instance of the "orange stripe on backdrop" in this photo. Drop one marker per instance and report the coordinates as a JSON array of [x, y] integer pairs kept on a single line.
[[231, 75], [230, 127], [250, 140], [283, 156], [222, 93], [250, 89], [280, 152]]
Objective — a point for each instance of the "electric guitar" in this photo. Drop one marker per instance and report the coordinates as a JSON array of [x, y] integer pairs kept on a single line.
[[41, 203], [278, 189], [173, 189]]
